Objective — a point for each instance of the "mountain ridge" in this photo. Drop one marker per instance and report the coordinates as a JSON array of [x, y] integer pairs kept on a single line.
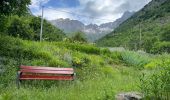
[[93, 31]]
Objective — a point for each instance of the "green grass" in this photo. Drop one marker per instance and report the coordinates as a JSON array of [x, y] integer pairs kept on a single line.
[[103, 88], [100, 74]]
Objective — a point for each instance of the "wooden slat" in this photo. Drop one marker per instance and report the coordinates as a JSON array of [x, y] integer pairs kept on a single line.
[[46, 71], [45, 68], [39, 77]]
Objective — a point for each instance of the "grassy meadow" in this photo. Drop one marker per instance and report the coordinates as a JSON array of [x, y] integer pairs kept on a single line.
[[100, 74]]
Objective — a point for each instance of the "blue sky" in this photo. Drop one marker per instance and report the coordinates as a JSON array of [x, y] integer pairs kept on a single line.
[[62, 3], [87, 11]]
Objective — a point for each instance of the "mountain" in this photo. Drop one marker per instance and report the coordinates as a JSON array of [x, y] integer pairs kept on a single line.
[[116, 23], [146, 29], [68, 25], [92, 31]]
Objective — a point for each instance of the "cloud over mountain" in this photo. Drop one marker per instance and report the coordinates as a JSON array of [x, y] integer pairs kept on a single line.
[[93, 11]]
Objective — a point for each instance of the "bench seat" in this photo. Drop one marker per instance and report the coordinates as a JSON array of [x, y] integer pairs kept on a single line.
[[44, 73]]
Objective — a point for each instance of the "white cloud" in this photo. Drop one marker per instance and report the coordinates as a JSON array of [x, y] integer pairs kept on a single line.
[[102, 11], [51, 14], [35, 4]]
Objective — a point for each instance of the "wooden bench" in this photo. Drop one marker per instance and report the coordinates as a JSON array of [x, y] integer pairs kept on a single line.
[[44, 73]]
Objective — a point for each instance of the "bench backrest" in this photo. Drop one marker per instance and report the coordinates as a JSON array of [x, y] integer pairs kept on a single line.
[[48, 70]]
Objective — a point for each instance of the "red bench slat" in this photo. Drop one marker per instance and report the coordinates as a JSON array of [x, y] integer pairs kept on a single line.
[[46, 71], [45, 68], [41, 77]]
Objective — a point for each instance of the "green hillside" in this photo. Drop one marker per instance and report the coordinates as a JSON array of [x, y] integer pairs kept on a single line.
[[100, 74], [95, 72], [152, 22]]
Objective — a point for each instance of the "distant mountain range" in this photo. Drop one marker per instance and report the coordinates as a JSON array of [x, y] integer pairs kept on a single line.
[[92, 31]]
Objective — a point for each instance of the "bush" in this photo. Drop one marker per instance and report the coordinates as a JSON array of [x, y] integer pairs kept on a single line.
[[135, 59], [80, 61], [113, 57], [84, 47], [10, 46], [156, 85], [105, 51], [28, 27], [50, 32], [79, 36], [161, 47], [165, 36], [20, 28]]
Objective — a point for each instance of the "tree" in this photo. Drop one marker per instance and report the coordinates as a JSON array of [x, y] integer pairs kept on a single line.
[[3, 23], [16, 7], [165, 36], [20, 28], [50, 32], [12, 7], [79, 36]]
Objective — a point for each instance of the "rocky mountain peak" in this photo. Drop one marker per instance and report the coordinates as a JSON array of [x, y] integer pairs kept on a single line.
[[92, 30]]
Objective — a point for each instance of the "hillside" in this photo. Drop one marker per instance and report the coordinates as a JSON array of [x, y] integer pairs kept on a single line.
[[95, 77], [100, 74], [148, 29]]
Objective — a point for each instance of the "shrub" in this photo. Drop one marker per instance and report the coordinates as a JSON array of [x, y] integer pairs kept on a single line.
[[80, 62], [105, 51], [50, 32], [161, 47], [57, 63], [116, 56], [156, 85], [87, 48], [79, 36], [135, 59], [20, 28], [165, 36], [10, 46]]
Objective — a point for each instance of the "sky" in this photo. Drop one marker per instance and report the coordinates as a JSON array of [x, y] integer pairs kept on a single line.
[[86, 11]]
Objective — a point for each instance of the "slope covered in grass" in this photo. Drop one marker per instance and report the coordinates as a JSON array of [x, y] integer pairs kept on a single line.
[[100, 74], [97, 75]]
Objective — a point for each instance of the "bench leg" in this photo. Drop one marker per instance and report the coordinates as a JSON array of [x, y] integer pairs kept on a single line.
[[18, 80], [74, 76]]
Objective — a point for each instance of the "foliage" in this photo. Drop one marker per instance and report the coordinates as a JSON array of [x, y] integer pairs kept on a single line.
[[12, 7], [95, 76], [29, 28], [160, 47], [19, 27], [50, 32], [18, 7], [79, 36], [155, 85], [165, 36], [3, 23], [82, 47], [135, 59]]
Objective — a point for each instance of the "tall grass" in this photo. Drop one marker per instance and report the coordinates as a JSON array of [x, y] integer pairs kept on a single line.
[[156, 83], [103, 88], [98, 76], [135, 59]]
